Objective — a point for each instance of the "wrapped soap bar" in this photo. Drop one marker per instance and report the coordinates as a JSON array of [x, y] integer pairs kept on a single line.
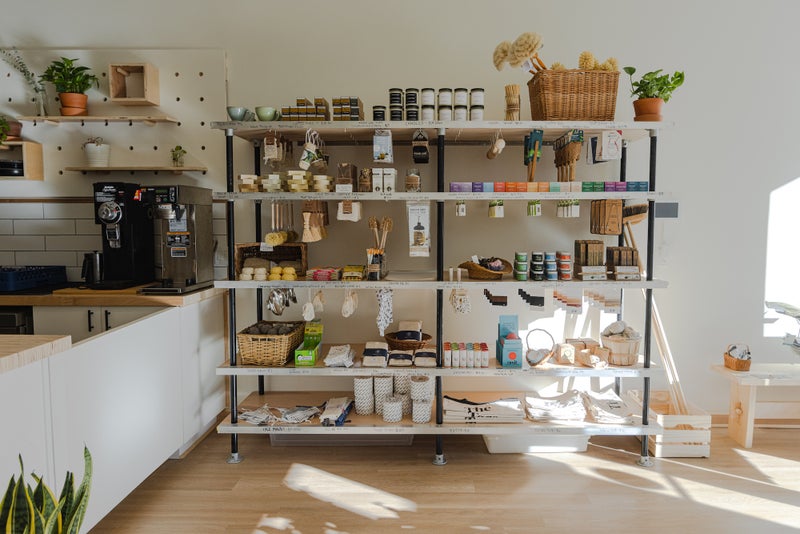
[[400, 358], [376, 354], [424, 358]]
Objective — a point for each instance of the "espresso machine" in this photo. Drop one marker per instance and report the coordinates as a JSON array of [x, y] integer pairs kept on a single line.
[[184, 242], [127, 234]]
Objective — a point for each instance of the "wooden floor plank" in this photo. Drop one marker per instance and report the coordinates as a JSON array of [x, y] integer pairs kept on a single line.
[[735, 490]]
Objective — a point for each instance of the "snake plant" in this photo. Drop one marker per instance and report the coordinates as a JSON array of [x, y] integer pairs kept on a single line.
[[36, 511]]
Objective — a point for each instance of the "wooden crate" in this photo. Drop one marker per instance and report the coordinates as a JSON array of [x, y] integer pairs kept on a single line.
[[133, 84], [685, 436]]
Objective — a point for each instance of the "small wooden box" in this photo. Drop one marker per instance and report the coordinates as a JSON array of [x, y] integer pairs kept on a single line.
[[685, 436], [133, 84]]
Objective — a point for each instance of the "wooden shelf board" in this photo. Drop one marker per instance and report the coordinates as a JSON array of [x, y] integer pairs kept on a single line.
[[443, 197], [137, 168], [494, 369], [455, 131], [374, 424], [56, 119], [32, 160], [506, 284]]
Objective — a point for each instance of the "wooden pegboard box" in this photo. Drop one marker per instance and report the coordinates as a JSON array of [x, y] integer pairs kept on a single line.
[[133, 84]]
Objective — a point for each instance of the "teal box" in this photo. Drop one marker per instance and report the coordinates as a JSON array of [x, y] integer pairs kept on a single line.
[[488, 187], [509, 353]]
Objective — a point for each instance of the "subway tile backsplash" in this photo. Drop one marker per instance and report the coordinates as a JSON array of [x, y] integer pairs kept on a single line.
[[56, 233]]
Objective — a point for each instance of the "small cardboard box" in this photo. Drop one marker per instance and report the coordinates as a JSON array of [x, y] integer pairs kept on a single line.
[[306, 354]]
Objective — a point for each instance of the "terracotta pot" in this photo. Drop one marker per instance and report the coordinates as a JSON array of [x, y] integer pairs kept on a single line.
[[73, 111], [648, 109], [73, 100], [14, 129]]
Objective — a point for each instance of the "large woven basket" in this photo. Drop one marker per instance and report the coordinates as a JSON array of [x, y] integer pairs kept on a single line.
[[573, 95], [477, 272], [269, 350], [405, 344]]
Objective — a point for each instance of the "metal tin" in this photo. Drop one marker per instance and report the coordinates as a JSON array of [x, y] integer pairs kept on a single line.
[[427, 96], [445, 97], [551, 266], [460, 96], [538, 277], [476, 113], [537, 267], [549, 256], [396, 112], [428, 112], [396, 96], [521, 265], [476, 96], [412, 113], [445, 113], [521, 276], [537, 256], [565, 275], [412, 96], [521, 256], [551, 275], [460, 113], [379, 113]]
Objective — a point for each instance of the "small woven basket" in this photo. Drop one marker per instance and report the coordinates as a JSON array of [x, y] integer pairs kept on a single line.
[[405, 344], [736, 364], [477, 272], [624, 351], [538, 356], [269, 350], [573, 95]]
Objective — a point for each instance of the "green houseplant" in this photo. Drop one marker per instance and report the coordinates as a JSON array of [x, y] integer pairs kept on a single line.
[[652, 90], [4, 128], [71, 82], [24, 509], [178, 154]]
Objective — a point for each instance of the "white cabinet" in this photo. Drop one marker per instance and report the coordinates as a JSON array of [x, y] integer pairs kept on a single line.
[[82, 322]]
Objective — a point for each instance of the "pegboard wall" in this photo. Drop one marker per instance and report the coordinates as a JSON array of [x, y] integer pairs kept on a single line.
[[192, 91]]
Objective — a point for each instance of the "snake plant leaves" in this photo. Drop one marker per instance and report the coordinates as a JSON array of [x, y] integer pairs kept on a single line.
[[78, 512], [5, 504]]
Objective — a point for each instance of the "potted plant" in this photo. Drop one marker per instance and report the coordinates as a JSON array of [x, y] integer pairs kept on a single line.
[[97, 152], [178, 154], [26, 509], [9, 128], [653, 89], [71, 81]]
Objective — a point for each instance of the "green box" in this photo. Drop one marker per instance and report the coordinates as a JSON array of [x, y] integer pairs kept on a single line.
[[306, 354]]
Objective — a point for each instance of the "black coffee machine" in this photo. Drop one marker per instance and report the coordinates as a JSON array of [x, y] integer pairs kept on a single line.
[[127, 233]]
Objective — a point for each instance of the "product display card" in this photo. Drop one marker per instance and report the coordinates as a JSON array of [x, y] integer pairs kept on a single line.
[[419, 233]]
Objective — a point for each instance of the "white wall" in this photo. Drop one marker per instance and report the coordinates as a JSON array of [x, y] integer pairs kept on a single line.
[[730, 148]]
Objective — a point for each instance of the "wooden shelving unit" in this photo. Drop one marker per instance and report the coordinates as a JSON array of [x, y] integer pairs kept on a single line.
[[149, 120], [441, 134]]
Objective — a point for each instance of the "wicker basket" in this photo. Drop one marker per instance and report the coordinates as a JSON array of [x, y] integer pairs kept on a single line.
[[624, 351], [405, 344], [736, 364], [269, 350], [478, 272], [297, 252], [573, 95]]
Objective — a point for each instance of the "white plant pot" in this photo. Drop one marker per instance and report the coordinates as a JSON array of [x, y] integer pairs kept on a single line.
[[97, 155]]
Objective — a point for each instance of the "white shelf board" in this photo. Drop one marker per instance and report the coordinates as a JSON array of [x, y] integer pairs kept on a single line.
[[374, 424], [508, 284], [137, 168], [359, 132], [442, 197]]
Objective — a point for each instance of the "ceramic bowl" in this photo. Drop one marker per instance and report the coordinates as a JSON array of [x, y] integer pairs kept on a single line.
[[265, 113], [236, 113]]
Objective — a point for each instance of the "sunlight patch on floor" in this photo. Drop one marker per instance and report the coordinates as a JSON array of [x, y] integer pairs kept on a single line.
[[344, 493]]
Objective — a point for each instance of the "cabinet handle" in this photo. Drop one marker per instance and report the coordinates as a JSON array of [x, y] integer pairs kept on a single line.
[[107, 315], [89, 315]]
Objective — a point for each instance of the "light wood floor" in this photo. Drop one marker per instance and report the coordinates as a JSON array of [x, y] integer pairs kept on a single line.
[[602, 490]]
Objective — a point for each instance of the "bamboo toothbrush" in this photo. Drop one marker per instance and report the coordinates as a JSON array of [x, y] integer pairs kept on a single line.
[[373, 224], [386, 227]]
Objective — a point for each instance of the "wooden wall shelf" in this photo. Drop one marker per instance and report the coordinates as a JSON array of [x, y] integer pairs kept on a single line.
[[137, 168], [133, 84], [150, 120]]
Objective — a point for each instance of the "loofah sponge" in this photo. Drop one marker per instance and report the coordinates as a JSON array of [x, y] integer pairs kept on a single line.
[[524, 47], [558, 66], [500, 55]]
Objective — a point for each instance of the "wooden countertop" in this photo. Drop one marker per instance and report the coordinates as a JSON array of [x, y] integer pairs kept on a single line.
[[95, 297], [20, 350]]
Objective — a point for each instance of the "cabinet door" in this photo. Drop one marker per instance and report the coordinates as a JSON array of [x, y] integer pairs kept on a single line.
[[77, 321], [116, 316]]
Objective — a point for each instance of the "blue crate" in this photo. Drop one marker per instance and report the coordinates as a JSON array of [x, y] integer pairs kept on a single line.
[[14, 278]]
